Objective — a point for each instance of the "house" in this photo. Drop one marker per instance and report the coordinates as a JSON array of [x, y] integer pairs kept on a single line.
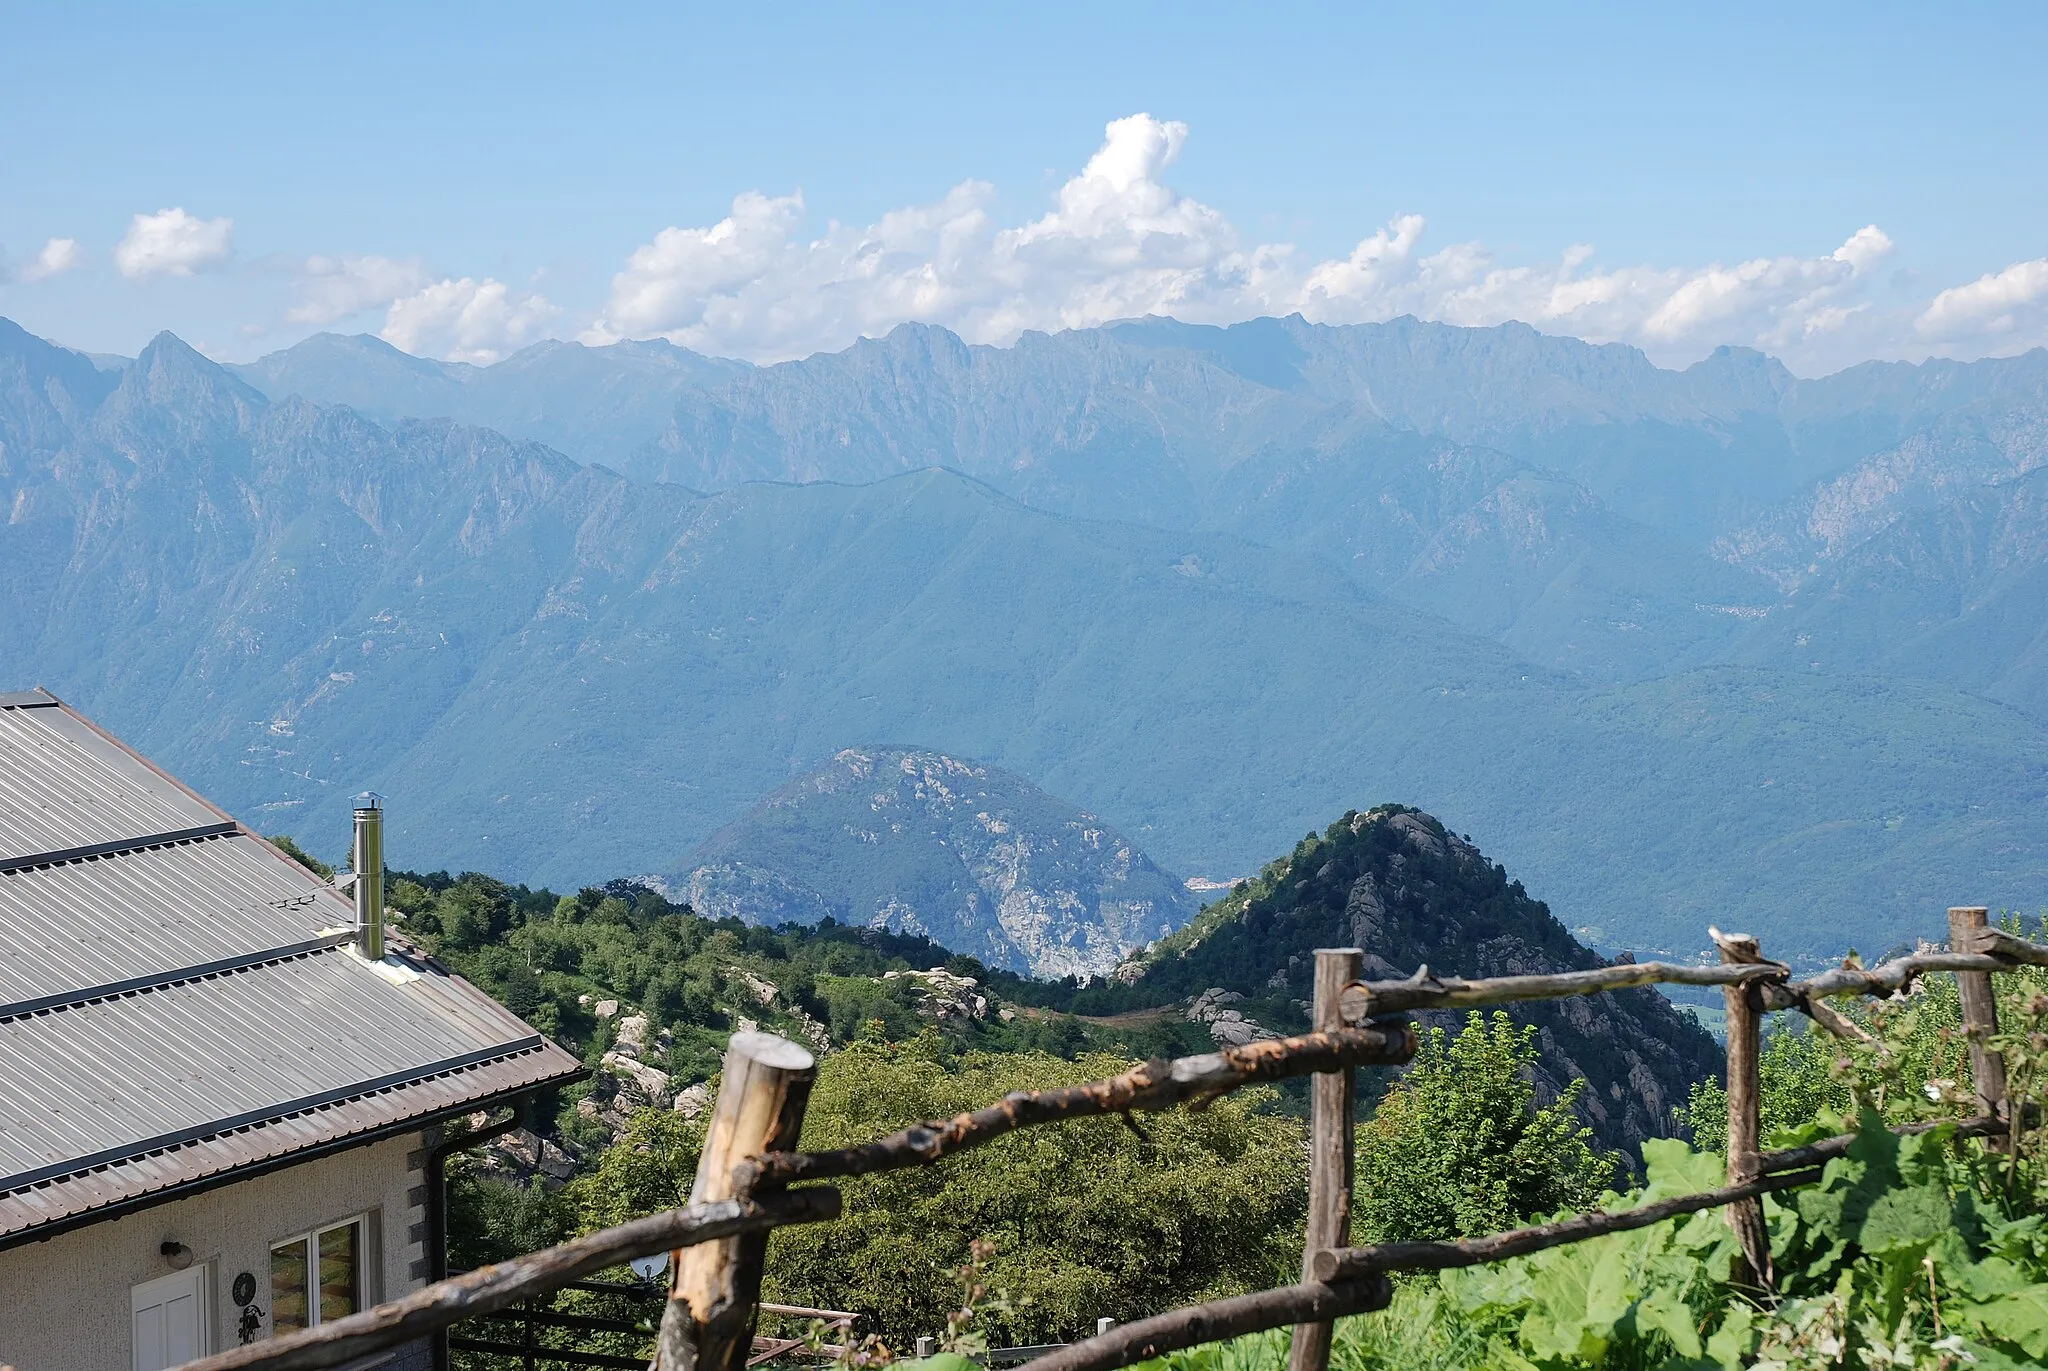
[[222, 1090]]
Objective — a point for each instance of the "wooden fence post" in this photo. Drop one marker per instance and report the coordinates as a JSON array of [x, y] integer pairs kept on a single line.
[[1329, 1149], [1745, 1116], [1980, 1017], [708, 1324]]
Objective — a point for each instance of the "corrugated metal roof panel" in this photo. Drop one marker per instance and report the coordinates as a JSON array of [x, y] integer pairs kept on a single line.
[[65, 785], [214, 1156], [102, 920], [170, 1013], [119, 1072]]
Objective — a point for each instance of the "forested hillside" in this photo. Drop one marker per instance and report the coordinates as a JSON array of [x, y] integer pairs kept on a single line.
[[1411, 893]]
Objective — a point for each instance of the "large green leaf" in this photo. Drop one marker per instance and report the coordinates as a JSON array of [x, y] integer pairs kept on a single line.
[[2020, 1318], [1664, 1311], [1899, 1220]]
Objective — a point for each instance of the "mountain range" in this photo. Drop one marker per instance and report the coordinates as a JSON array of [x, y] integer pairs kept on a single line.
[[1681, 646]]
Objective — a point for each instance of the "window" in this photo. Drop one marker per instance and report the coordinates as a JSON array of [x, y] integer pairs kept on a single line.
[[317, 1277]]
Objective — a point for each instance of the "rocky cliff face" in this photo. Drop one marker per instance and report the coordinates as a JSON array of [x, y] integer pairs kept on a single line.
[[1399, 885], [972, 856]]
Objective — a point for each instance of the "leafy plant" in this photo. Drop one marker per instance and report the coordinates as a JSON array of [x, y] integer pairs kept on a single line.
[[1459, 1145]]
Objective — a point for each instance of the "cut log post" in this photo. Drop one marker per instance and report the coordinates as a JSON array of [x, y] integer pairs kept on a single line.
[[1329, 1149], [709, 1322], [1966, 927], [1745, 1116]]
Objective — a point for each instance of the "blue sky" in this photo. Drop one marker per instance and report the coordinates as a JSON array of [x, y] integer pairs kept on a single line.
[[469, 178]]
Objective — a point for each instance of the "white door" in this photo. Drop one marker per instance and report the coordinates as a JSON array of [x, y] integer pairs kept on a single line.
[[169, 1320]]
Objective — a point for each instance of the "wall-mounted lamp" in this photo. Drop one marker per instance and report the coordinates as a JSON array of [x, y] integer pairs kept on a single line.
[[176, 1253]]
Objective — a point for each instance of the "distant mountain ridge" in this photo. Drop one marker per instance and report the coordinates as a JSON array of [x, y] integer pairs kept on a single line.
[[1594, 512], [971, 856], [561, 673]]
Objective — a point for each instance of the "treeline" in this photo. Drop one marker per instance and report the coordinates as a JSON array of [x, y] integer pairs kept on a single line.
[[553, 958]]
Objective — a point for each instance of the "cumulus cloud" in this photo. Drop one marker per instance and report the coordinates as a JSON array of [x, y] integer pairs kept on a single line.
[[466, 320], [1120, 241], [1775, 302], [172, 243], [1117, 242], [332, 288], [2010, 305], [58, 256]]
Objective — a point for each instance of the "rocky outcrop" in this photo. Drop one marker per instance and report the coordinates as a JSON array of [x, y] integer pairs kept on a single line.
[[1228, 1026], [943, 996]]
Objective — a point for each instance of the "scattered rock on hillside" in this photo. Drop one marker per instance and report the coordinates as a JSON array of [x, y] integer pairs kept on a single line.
[[1228, 1026], [943, 995]]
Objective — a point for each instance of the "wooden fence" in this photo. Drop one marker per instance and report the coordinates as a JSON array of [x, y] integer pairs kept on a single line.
[[749, 1162]]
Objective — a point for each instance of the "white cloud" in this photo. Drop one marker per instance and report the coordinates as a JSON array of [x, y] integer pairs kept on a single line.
[[2010, 306], [172, 243], [1119, 241], [332, 288], [58, 256], [667, 284], [466, 320], [1774, 302]]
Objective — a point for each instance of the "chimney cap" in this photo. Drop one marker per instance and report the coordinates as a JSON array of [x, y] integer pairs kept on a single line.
[[369, 799]]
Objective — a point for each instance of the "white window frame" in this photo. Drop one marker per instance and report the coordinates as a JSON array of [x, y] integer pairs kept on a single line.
[[368, 1263]]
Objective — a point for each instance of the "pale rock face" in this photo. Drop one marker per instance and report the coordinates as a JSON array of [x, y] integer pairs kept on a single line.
[[944, 995], [1229, 1027], [693, 1100], [632, 1039], [522, 1155], [970, 856], [647, 1085]]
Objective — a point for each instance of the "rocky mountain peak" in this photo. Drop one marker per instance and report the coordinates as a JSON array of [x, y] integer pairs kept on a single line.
[[1398, 884]]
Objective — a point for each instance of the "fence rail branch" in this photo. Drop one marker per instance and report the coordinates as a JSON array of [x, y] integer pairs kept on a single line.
[[1370, 999], [1310, 1302], [490, 1288], [1813, 1154], [1348, 1263], [1997, 951], [1155, 1085]]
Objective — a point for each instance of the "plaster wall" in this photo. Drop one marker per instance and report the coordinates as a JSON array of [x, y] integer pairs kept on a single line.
[[64, 1302]]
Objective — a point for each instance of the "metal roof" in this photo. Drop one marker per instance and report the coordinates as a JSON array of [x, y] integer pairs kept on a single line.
[[179, 1000]]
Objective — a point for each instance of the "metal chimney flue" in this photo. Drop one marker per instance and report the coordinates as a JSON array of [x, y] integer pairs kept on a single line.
[[367, 857]]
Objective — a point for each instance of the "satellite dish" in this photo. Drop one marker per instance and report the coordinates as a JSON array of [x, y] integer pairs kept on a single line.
[[647, 1268]]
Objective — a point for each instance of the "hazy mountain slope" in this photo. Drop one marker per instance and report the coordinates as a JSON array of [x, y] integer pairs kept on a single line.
[[1954, 456], [1956, 593], [1589, 509], [562, 675], [599, 404], [1399, 885], [1501, 549], [975, 857]]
